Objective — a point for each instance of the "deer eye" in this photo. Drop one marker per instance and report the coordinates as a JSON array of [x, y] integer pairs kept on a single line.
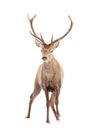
[[51, 50]]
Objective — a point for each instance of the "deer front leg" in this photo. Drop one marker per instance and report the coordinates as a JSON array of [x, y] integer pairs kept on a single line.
[[36, 91], [47, 104], [30, 103]]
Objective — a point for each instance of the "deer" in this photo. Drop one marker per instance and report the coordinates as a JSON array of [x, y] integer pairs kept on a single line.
[[49, 76]]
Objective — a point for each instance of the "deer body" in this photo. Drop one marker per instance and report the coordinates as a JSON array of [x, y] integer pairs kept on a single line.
[[49, 76], [49, 73]]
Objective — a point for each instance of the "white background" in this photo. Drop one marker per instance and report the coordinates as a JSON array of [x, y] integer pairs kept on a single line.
[[20, 58]]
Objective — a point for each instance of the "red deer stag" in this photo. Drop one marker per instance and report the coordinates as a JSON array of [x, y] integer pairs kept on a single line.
[[49, 76]]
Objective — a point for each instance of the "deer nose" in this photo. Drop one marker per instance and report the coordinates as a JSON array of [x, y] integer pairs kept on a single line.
[[44, 58]]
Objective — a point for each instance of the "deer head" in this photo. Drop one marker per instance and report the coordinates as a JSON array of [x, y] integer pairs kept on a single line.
[[47, 49]]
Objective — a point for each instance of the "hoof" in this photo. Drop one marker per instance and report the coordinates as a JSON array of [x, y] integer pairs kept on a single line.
[[57, 117], [27, 117], [48, 121]]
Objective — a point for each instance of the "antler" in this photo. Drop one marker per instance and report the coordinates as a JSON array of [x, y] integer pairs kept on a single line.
[[33, 33], [64, 34]]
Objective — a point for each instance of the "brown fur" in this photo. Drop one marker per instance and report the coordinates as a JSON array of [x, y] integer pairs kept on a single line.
[[49, 76]]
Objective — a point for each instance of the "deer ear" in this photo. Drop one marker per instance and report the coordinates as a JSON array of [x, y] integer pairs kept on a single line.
[[38, 42], [56, 44]]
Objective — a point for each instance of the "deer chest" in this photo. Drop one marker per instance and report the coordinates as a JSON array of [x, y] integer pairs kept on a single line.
[[48, 72]]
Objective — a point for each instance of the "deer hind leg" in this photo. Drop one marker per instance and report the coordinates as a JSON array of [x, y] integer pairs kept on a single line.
[[52, 103], [57, 102], [36, 91]]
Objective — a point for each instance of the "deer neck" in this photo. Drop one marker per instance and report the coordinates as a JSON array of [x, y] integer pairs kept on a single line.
[[48, 71]]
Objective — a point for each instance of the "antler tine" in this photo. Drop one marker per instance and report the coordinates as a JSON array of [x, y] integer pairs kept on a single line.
[[31, 23], [52, 38], [33, 33], [66, 32], [31, 18], [42, 38]]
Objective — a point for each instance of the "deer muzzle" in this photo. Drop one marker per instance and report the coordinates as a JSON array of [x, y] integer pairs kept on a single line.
[[44, 58]]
